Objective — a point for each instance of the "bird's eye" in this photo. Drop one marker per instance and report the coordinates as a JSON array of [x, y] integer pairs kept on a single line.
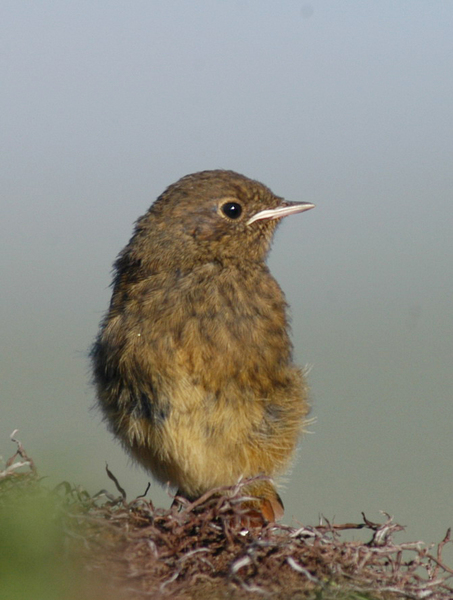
[[232, 210]]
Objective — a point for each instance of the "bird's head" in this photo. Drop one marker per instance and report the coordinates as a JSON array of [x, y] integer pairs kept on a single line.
[[210, 216]]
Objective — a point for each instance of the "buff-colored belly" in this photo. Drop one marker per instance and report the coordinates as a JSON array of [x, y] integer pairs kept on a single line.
[[205, 443]]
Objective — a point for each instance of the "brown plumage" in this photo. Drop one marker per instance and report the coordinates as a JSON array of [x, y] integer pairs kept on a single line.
[[192, 363]]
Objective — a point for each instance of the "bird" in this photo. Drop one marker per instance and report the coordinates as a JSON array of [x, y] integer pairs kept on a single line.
[[192, 364]]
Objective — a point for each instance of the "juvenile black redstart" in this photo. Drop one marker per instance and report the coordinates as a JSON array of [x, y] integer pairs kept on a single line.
[[193, 362]]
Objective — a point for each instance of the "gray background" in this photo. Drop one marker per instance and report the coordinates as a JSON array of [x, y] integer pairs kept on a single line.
[[344, 104]]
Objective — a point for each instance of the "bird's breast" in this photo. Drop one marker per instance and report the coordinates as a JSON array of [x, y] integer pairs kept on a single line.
[[211, 326]]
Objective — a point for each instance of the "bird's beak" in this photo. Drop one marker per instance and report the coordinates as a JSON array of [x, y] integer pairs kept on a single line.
[[288, 208]]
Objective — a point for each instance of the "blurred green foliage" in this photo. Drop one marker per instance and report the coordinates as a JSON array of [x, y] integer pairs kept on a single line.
[[34, 561]]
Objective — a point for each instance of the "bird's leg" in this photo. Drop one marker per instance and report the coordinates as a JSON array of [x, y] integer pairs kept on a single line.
[[267, 508], [176, 502]]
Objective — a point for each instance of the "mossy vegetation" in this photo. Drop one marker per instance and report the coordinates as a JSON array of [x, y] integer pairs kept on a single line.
[[64, 543]]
